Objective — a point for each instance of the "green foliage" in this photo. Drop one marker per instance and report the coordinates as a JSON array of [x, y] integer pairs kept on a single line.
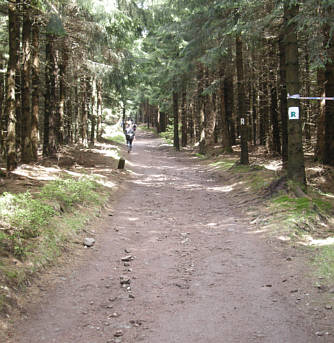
[[23, 212], [169, 134], [26, 217], [201, 156], [115, 133], [223, 165], [300, 216], [69, 192], [55, 26], [117, 138], [325, 262], [302, 206]]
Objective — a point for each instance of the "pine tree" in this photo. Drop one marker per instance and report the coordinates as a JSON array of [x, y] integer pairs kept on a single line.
[[296, 167]]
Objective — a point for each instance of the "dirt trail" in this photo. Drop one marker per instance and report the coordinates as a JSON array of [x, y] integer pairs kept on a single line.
[[200, 272]]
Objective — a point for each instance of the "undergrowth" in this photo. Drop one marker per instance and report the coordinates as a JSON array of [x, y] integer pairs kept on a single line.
[[117, 138], [253, 177], [306, 221], [324, 262], [168, 135], [35, 229], [115, 133], [304, 214]]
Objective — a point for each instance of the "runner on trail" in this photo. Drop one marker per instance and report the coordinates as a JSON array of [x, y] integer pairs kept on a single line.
[[129, 135]]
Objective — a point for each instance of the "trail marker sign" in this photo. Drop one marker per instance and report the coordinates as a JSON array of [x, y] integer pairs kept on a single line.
[[293, 113], [242, 120]]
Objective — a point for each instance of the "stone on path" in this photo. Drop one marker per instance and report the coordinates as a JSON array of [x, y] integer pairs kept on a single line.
[[89, 242], [127, 258], [124, 280]]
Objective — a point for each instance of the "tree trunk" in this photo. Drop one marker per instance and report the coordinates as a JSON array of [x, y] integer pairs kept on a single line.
[[254, 114], [274, 129], [229, 104], [147, 111], [263, 106], [320, 146], [18, 83], [123, 116], [296, 168], [3, 115], [93, 113], [199, 112], [191, 126], [241, 101], [69, 102], [84, 114], [209, 117], [50, 119], [47, 97], [176, 120], [276, 141], [184, 140], [35, 83], [307, 128], [10, 98], [226, 141], [283, 99], [27, 154], [77, 118], [89, 93], [329, 90], [62, 93], [99, 109], [163, 121]]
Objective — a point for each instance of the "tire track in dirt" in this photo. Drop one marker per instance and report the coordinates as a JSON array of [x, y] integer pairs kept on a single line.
[[199, 273]]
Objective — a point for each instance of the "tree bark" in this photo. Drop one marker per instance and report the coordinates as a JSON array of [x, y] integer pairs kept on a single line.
[[296, 167], [3, 115], [162, 121], [275, 141], [35, 83], [329, 90], [199, 112], [283, 98], [18, 87], [241, 101], [307, 128], [10, 98], [184, 139], [226, 139], [99, 109], [93, 112], [62, 93], [319, 154], [229, 104], [50, 146], [263, 106], [209, 117], [176, 141], [77, 118], [254, 114], [27, 154], [84, 114]]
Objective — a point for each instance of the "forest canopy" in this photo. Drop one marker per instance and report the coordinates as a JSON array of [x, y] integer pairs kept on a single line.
[[212, 72]]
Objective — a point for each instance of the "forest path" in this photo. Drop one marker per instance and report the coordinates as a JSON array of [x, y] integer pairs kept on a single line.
[[200, 272]]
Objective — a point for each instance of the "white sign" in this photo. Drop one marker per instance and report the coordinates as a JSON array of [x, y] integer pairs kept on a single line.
[[293, 113], [242, 120]]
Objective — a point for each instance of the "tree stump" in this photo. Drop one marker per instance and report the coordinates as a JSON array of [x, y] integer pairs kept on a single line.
[[121, 163]]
